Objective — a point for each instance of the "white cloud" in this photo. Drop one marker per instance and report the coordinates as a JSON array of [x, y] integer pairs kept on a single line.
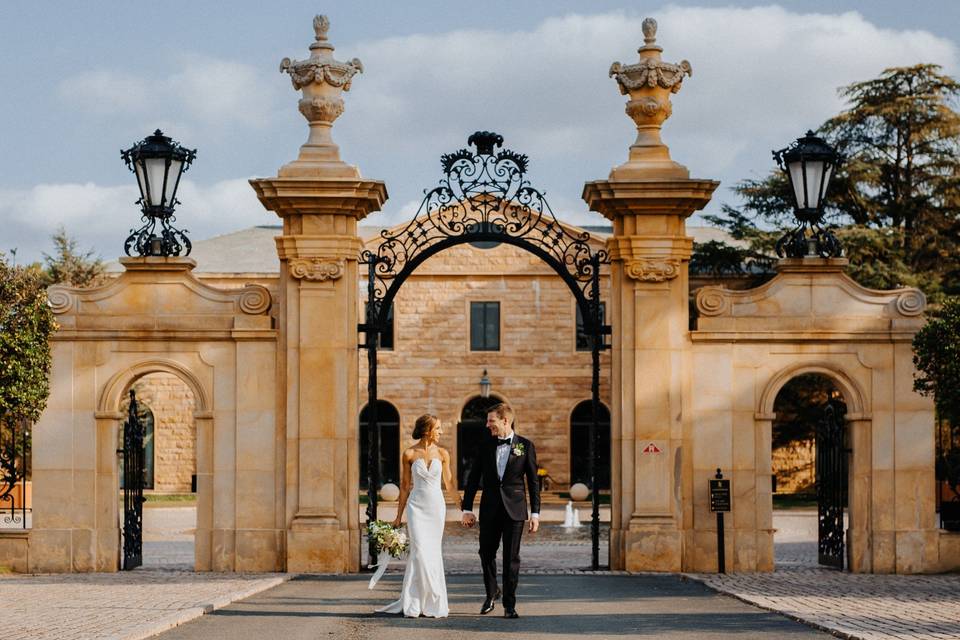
[[102, 216], [199, 92], [762, 76]]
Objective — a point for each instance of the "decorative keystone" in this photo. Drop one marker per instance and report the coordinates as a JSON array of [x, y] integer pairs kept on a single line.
[[322, 80], [649, 84]]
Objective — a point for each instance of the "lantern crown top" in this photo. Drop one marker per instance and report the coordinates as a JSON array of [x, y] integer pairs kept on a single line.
[[158, 146], [809, 147]]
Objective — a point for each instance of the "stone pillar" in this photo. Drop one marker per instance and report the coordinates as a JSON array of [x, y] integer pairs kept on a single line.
[[648, 199], [320, 200]]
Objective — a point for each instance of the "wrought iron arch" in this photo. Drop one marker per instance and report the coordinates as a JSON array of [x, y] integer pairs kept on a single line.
[[483, 196]]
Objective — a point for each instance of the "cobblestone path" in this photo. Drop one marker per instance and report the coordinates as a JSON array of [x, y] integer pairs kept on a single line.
[[122, 606], [861, 606]]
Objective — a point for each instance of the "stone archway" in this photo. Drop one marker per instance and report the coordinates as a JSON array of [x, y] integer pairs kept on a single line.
[[858, 426], [110, 423]]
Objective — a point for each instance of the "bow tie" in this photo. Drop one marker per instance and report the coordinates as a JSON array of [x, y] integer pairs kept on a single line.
[[501, 442]]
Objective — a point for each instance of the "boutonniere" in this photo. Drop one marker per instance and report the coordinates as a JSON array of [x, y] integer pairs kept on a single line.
[[518, 449]]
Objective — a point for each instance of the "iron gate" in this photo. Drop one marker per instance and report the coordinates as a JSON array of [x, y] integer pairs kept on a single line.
[[133, 480], [831, 478], [483, 197]]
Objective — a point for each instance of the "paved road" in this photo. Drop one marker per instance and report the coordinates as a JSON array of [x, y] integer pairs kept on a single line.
[[555, 607]]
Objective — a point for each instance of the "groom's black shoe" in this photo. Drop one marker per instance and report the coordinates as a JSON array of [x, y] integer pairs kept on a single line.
[[510, 613], [488, 603]]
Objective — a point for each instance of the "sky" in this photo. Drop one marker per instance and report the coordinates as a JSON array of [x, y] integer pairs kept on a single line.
[[84, 80]]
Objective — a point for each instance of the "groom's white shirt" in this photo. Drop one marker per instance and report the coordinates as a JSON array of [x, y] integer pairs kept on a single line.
[[503, 455]]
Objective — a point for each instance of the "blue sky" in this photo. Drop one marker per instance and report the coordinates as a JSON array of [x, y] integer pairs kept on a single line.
[[83, 80]]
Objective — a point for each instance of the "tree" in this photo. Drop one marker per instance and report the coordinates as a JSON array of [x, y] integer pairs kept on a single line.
[[896, 199], [902, 136], [26, 324], [68, 265], [936, 356]]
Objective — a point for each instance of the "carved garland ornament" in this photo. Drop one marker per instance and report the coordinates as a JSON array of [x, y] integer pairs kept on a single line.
[[657, 270], [321, 69], [317, 269]]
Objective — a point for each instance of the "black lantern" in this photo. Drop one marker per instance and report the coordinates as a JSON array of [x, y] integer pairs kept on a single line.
[[484, 385], [158, 162], [809, 163]]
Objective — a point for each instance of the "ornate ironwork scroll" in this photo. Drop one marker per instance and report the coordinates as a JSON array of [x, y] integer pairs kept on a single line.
[[831, 486], [14, 456], [483, 197], [133, 480]]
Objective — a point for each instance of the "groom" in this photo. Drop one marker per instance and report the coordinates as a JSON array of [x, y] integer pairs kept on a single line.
[[503, 463]]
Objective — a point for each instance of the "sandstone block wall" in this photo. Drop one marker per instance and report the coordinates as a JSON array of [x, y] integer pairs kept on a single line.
[[537, 369]]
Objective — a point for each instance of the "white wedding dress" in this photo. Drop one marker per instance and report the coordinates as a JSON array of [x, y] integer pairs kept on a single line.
[[424, 584]]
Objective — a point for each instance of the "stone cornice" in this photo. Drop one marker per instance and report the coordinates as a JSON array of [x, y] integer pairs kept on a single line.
[[327, 247], [313, 196], [614, 199]]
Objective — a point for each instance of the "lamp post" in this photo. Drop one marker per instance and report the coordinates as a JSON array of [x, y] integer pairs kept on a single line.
[[484, 385], [810, 163], [158, 162]]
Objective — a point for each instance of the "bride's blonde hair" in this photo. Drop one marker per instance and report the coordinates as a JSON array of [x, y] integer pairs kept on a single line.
[[424, 425]]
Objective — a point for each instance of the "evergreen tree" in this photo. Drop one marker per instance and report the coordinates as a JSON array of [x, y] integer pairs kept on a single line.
[[68, 265], [896, 198]]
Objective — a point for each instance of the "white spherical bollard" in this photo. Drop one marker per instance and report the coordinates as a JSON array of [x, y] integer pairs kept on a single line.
[[579, 492], [389, 492]]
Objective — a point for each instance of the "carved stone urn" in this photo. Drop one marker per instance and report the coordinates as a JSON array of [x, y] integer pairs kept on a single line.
[[649, 84], [322, 80]]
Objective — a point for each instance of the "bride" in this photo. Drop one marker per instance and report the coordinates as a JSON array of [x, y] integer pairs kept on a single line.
[[423, 467]]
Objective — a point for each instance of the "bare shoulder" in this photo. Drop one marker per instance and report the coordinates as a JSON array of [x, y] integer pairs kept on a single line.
[[444, 454], [409, 454]]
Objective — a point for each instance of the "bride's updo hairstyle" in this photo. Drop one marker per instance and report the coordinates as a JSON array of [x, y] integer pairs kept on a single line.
[[424, 425]]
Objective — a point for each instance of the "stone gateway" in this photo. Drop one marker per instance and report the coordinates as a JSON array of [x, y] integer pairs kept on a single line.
[[273, 372]]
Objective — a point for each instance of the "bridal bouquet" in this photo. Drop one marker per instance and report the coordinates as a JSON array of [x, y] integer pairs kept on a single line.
[[389, 539], [391, 543]]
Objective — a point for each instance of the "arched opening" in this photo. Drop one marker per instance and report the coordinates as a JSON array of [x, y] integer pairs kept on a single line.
[[810, 447], [166, 408], [388, 422], [580, 420], [472, 433]]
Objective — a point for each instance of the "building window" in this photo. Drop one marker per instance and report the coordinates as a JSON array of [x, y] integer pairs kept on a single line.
[[388, 421], [485, 326], [386, 336], [580, 422], [585, 340]]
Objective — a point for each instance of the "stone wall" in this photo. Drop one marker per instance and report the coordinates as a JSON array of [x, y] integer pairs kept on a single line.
[[537, 370], [175, 432]]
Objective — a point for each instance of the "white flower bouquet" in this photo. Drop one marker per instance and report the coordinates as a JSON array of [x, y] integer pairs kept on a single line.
[[389, 539]]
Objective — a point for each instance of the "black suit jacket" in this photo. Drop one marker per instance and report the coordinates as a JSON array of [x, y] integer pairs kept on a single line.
[[510, 491]]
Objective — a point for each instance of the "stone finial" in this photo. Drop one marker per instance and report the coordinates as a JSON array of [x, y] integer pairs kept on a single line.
[[322, 79], [649, 84]]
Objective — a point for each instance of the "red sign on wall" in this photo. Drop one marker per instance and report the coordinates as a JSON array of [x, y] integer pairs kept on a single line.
[[652, 448]]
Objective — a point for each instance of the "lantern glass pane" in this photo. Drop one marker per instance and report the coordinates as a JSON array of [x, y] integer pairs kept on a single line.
[[156, 167], [172, 179], [815, 170], [796, 179], [141, 181]]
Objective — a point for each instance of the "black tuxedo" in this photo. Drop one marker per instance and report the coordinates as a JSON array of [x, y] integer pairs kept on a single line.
[[503, 509]]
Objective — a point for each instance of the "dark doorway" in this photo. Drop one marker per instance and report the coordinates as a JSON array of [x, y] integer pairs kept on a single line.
[[471, 433], [388, 419], [580, 421]]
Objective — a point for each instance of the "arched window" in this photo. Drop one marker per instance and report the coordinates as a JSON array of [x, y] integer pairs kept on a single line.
[[471, 433], [388, 419], [580, 421]]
